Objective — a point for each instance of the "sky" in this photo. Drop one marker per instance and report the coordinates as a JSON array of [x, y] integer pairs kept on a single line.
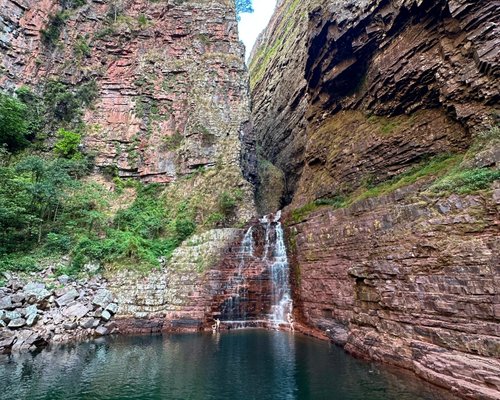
[[252, 24]]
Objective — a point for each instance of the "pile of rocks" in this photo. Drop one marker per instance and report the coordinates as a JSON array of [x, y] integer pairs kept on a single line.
[[32, 314]]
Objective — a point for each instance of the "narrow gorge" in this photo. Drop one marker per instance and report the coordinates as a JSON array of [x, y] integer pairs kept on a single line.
[[344, 185]]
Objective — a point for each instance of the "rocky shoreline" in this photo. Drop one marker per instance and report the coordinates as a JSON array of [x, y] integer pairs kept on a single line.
[[50, 309]]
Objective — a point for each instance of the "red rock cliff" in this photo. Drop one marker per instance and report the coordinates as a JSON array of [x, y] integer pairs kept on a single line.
[[171, 78], [376, 112]]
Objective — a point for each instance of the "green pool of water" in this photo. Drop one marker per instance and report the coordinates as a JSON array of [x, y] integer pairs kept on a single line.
[[242, 365]]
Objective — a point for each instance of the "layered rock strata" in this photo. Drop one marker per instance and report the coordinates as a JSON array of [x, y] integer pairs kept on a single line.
[[373, 89], [365, 83], [408, 280], [172, 85]]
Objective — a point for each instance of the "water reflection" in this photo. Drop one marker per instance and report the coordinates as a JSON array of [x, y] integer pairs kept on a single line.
[[249, 364]]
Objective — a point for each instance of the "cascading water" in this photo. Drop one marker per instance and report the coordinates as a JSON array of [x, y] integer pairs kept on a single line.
[[281, 300], [275, 272], [246, 250]]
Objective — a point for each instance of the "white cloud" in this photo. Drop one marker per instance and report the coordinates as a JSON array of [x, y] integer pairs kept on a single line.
[[252, 24]]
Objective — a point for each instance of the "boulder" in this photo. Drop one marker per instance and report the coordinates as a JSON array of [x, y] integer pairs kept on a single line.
[[87, 323], [67, 298], [6, 302], [31, 319], [77, 310], [30, 310], [17, 323], [69, 326], [63, 279], [11, 315], [112, 308], [106, 315], [101, 331], [37, 290], [6, 343], [102, 298]]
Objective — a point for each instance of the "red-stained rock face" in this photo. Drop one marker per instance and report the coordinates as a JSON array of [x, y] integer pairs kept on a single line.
[[171, 78], [408, 281]]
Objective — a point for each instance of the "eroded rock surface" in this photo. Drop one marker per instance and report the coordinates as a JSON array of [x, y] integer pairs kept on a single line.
[[172, 85], [410, 281], [331, 76]]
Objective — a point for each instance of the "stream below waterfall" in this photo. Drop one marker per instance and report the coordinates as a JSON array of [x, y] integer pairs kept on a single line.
[[243, 365]]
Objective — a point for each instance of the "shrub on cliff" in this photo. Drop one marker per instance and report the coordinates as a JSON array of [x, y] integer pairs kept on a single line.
[[68, 144], [13, 123]]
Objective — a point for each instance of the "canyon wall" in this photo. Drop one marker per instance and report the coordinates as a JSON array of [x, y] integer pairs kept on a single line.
[[417, 78], [171, 80], [168, 104], [381, 117]]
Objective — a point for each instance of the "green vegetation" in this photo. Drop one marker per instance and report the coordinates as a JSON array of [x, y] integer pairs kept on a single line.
[[466, 181], [72, 4], [267, 52], [47, 209], [143, 21], [67, 145], [14, 125], [174, 141], [138, 235], [81, 47], [228, 204], [51, 34], [445, 174]]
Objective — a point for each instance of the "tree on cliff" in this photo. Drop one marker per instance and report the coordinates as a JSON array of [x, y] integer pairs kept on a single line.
[[243, 6]]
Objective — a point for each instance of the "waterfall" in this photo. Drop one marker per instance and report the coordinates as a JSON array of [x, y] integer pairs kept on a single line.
[[274, 262], [281, 304], [246, 250]]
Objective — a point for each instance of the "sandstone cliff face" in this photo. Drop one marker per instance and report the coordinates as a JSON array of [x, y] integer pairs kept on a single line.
[[387, 60], [210, 276], [171, 78], [279, 98], [172, 107], [363, 92], [408, 280]]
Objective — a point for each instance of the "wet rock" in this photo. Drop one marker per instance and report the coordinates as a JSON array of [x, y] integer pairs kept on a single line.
[[6, 343]]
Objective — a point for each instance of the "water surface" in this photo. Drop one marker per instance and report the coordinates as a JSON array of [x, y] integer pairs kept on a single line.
[[242, 365]]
